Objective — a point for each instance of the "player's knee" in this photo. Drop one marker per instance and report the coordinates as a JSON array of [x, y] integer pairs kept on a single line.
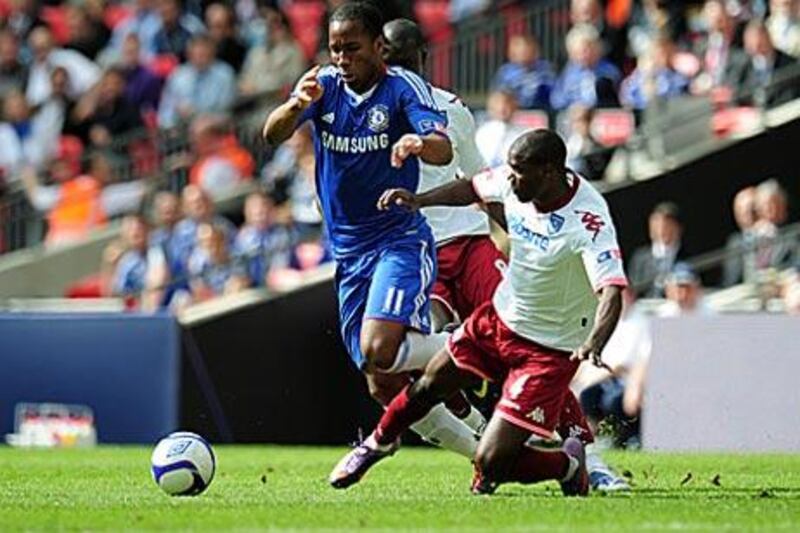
[[490, 461], [379, 351]]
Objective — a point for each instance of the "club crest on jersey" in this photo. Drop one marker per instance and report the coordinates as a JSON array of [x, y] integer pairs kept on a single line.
[[378, 118], [555, 224]]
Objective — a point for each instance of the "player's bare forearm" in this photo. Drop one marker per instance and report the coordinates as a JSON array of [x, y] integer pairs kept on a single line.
[[606, 317], [436, 149], [282, 122], [457, 193], [497, 213]]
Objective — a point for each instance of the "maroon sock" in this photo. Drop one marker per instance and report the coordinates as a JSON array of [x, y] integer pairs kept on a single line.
[[458, 405], [573, 422], [398, 417], [535, 465]]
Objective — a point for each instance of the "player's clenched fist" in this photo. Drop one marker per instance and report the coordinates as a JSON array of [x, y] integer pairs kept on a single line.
[[408, 145], [308, 89], [399, 197]]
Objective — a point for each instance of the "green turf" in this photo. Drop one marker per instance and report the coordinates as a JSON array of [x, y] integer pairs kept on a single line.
[[284, 487]]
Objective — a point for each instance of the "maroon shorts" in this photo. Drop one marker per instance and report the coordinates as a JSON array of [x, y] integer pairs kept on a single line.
[[469, 270], [535, 378]]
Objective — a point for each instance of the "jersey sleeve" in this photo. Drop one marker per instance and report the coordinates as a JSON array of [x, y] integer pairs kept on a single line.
[[597, 244], [417, 102], [462, 129], [492, 185]]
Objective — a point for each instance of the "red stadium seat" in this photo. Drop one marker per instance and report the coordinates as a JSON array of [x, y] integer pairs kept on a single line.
[[305, 17], [56, 19], [612, 127]]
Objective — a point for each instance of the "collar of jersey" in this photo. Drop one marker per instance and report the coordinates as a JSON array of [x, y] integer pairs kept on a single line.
[[358, 99], [557, 204]]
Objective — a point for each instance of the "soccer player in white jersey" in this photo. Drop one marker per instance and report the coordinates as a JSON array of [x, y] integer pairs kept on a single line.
[[470, 265], [556, 306]]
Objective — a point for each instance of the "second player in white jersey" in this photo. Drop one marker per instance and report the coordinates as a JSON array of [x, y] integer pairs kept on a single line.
[[448, 223], [560, 258]]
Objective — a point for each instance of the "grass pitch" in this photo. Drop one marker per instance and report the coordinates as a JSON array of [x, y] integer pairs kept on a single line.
[[269, 487]]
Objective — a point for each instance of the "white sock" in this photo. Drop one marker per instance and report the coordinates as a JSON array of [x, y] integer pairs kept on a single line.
[[444, 429], [475, 420], [573, 467], [416, 350], [594, 462]]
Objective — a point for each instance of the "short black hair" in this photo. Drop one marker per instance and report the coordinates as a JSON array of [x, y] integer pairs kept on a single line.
[[540, 147], [367, 14], [405, 44]]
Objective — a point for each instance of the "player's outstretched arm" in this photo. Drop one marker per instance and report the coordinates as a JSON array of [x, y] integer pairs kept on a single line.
[[282, 122], [606, 318], [457, 193], [432, 148]]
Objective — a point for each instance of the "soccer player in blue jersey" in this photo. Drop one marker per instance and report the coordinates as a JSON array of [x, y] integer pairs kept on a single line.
[[373, 125]]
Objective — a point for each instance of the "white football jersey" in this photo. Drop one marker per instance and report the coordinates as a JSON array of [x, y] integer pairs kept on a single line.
[[451, 222], [559, 260]]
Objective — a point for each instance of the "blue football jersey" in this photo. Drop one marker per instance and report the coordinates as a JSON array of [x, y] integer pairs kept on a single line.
[[353, 142]]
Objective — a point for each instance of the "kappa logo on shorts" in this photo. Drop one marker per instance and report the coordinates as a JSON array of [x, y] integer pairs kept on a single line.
[[537, 415]]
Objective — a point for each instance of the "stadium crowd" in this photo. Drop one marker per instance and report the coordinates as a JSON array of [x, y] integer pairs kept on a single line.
[[91, 88]]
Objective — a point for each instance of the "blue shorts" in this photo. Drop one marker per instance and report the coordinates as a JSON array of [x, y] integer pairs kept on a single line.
[[390, 283]]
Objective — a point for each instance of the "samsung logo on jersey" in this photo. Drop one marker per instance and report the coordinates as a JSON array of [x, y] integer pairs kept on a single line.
[[542, 242], [355, 145]]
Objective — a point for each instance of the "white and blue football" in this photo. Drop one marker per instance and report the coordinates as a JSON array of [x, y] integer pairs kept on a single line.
[[183, 464]]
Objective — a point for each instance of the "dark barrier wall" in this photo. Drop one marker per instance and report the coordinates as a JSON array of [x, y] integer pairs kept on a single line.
[[704, 190], [125, 367], [276, 372]]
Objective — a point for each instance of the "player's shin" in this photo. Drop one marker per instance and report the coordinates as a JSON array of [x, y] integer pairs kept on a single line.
[[442, 428], [416, 350]]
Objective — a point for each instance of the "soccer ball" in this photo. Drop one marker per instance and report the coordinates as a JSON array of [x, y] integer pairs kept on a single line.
[[183, 464]]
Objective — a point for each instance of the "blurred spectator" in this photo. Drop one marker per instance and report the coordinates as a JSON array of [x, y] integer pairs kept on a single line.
[[276, 64], [653, 18], [197, 209], [86, 35], [613, 399], [791, 294], [83, 73], [144, 22], [213, 270], [222, 163], [176, 29], [651, 264], [613, 40], [784, 26], [25, 15], [166, 214], [772, 251], [263, 242], [739, 259], [131, 270], [751, 76], [79, 203], [526, 75], [718, 48], [202, 85], [142, 86], [587, 79], [654, 77], [221, 23], [684, 293], [13, 73], [584, 154], [105, 111], [290, 175], [25, 139], [464, 9], [494, 137]]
